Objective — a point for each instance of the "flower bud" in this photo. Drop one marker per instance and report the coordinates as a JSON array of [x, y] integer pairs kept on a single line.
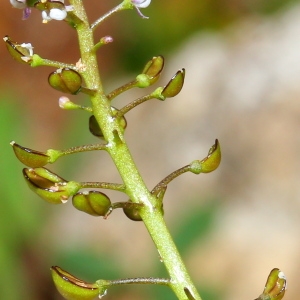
[[65, 103], [210, 162], [72, 288], [92, 202], [20, 52], [66, 80], [174, 86], [29, 157], [275, 286], [50, 186]]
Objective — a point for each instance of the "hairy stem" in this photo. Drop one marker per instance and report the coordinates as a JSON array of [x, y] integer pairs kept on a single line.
[[135, 187]]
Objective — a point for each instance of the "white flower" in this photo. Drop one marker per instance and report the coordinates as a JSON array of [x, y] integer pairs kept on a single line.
[[141, 3], [54, 14]]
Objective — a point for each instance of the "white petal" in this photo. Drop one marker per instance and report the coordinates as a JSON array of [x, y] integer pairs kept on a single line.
[[29, 47], [57, 14], [18, 3], [141, 3], [45, 17]]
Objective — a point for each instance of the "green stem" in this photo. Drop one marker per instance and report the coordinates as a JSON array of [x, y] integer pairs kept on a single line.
[[140, 280], [121, 89], [124, 110], [119, 152], [169, 178], [38, 61], [56, 154], [107, 15], [103, 185]]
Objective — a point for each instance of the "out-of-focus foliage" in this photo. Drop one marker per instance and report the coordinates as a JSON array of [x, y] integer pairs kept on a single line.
[[175, 21], [20, 218]]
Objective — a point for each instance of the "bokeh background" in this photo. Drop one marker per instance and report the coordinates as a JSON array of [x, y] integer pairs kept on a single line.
[[242, 86]]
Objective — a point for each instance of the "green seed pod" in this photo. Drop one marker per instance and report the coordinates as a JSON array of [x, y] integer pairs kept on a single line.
[[94, 127], [20, 52], [96, 130], [275, 286], [92, 202], [174, 86], [29, 157], [154, 67], [50, 186], [131, 210], [210, 162], [66, 80], [72, 288]]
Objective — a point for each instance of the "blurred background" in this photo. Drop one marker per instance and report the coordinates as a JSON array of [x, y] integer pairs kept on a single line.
[[232, 226]]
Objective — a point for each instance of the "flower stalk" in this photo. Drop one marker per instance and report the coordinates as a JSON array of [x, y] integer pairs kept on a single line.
[[109, 124], [119, 152]]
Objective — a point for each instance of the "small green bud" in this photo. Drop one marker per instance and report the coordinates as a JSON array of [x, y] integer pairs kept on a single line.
[[175, 85], [275, 286], [92, 202], [66, 80], [210, 162], [73, 288], [20, 52], [29, 157], [50, 186]]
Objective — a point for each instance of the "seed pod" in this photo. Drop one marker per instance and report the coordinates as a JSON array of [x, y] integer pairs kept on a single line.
[[96, 130], [29, 157], [50, 186], [66, 80], [275, 286], [131, 210], [20, 52], [92, 202], [174, 86], [153, 69], [94, 127], [73, 288], [210, 162]]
